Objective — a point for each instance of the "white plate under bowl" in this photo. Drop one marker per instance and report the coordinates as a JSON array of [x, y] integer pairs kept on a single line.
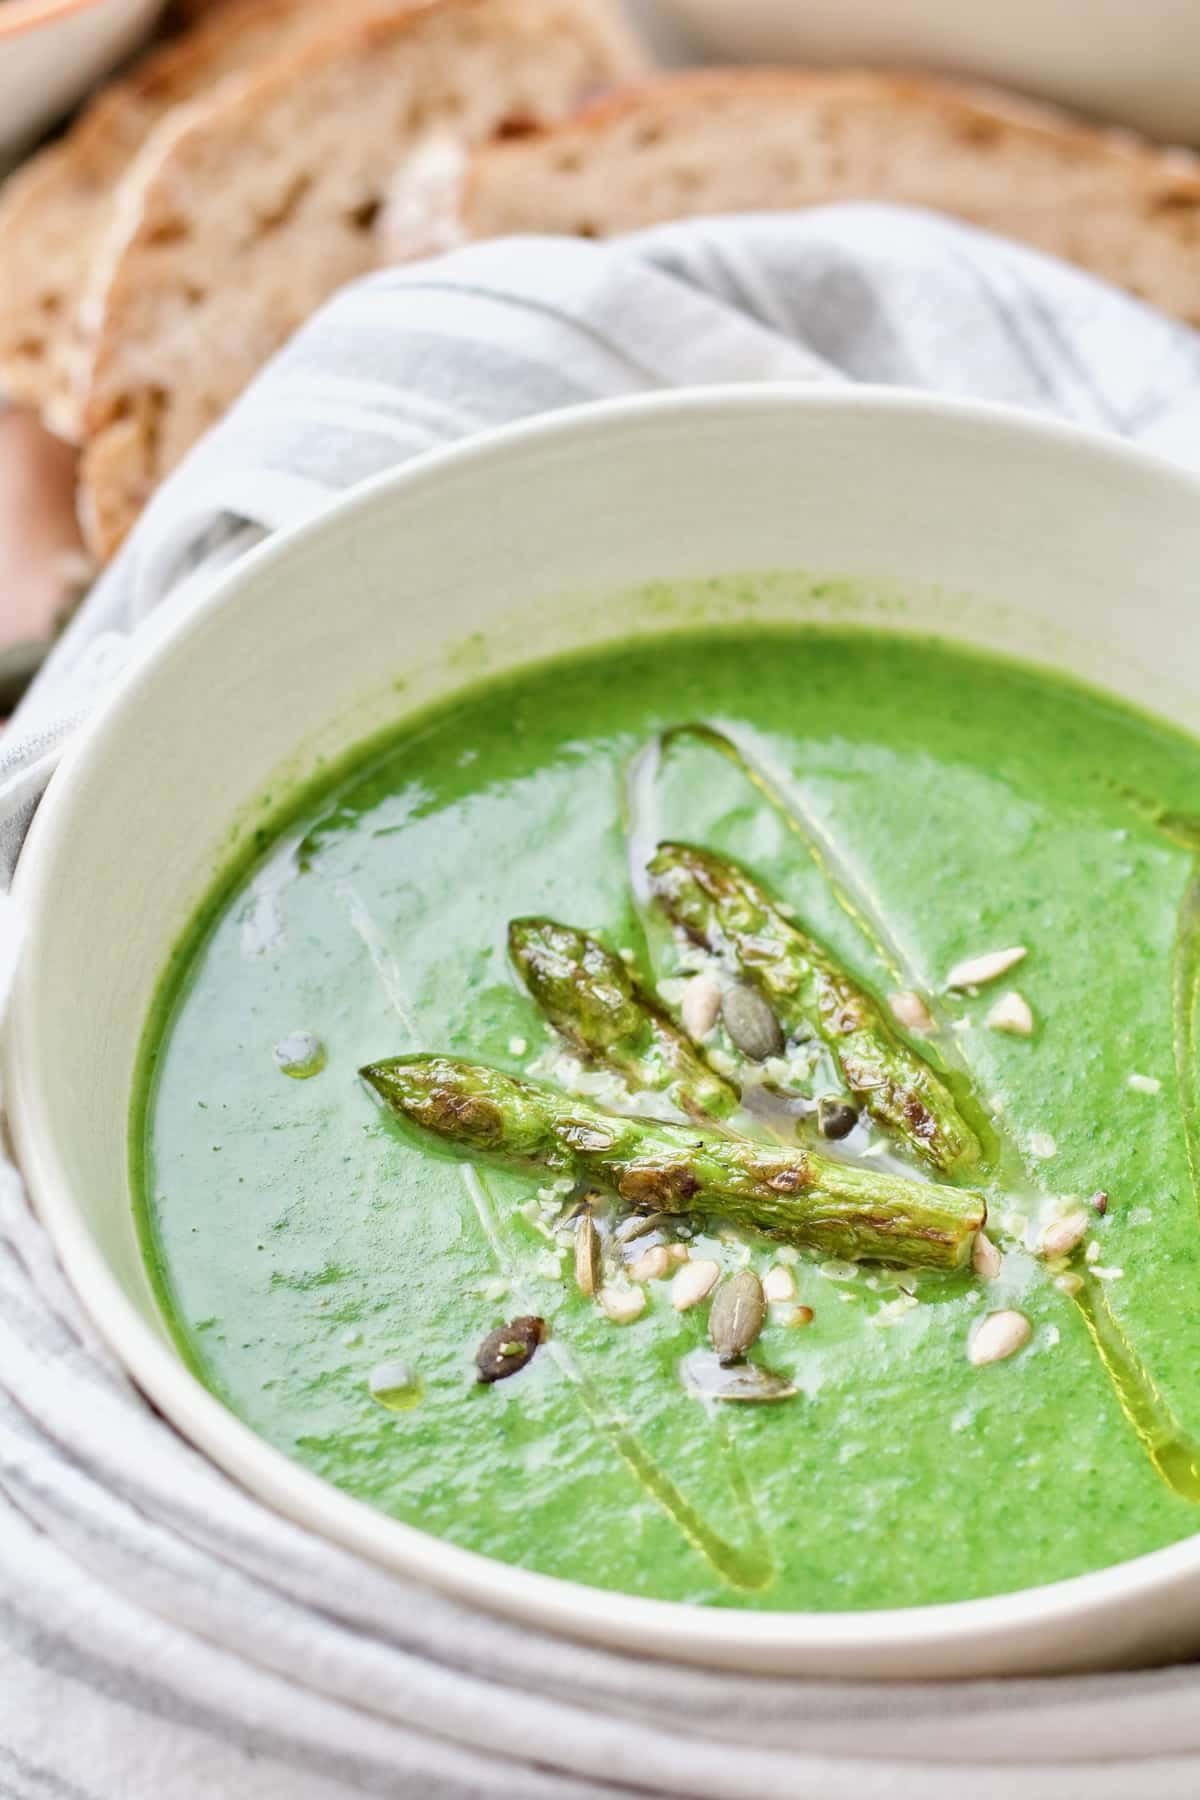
[[998, 530]]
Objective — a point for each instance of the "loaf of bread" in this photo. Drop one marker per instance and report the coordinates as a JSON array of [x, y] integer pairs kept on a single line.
[[724, 141], [55, 212], [244, 212]]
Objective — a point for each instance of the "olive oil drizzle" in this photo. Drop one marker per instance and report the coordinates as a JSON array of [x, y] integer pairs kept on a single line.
[[750, 1568], [1172, 1453]]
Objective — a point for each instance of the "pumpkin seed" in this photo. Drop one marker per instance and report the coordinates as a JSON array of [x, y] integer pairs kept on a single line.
[[835, 1118], [587, 1255], [509, 1348], [736, 1315], [708, 1378], [751, 1023]]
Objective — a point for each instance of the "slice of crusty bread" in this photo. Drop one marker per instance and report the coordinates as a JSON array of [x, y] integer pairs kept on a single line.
[[753, 140], [246, 213], [54, 212]]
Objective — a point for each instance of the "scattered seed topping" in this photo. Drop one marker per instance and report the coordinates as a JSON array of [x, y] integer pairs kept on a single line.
[[1064, 1235], [517, 1046], [299, 1055], [998, 1336], [1092, 1253], [1099, 1201], [751, 1023], [1103, 1274], [779, 1285], [1068, 1284], [1042, 1145], [1144, 1084], [837, 1270], [800, 1315], [638, 1225], [1011, 1013], [976, 971], [587, 1255], [700, 1007], [621, 1302], [652, 1265], [737, 1314], [835, 1118], [394, 1385], [708, 1378], [509, 1348], [986, 1260], [693, 1283], [909, 1010]]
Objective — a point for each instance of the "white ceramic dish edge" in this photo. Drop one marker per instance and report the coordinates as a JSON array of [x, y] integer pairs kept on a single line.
[[1129, 1612]]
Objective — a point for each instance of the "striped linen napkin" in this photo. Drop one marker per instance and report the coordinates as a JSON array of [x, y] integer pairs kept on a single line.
[[161, 1633]]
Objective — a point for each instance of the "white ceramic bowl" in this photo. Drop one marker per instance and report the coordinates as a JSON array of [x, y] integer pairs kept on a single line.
[[51, 51], [1021, 536], [1131, 62]]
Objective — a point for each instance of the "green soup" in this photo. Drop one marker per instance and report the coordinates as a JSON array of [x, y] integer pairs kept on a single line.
[[331, 1276]]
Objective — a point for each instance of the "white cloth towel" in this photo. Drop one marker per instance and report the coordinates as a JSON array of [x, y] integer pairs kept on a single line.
[[161, 1633]]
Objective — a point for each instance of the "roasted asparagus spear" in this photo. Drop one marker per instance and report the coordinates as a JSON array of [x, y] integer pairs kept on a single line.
[[843, 1211], [589, 996], [718, 905]]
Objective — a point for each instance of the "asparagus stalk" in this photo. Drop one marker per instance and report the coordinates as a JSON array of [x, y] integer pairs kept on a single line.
[[720, 906], [589, 996], [844, 1211]]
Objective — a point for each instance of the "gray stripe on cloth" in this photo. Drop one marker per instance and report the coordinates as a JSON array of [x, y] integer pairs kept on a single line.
[[167, 1635]]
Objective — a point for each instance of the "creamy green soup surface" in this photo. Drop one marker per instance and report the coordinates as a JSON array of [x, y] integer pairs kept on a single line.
[[332, 1272]]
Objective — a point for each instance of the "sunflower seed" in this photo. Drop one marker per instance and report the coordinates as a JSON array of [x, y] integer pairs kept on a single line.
[[651, 1265], [1064, 1235], [509, 1348], [1011, 1013], [1000, 1335], [976, 971], [985, 1258], [700, 1007], [779, 1284], [751, 1023], [835, 1118], [587, 1255], [693, 1282], [736, 1316], [708, 1378], [909, 1010]]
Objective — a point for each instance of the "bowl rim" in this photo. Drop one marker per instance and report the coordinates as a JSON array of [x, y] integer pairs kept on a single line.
[[710, 1636], [25, 15]]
